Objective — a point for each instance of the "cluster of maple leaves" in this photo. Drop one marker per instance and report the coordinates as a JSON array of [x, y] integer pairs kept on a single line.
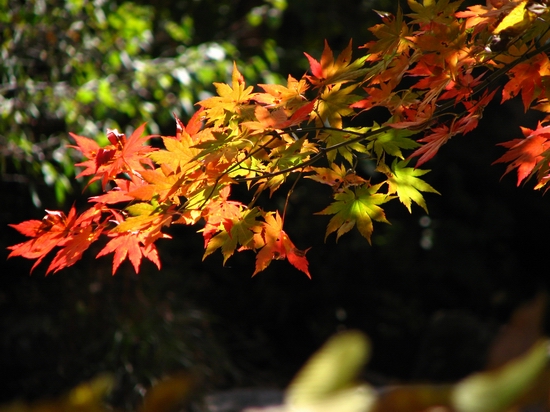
[[451, 62]]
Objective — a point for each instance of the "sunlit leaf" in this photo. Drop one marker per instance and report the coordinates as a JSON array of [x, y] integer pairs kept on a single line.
[[332, 369], [498, 390]]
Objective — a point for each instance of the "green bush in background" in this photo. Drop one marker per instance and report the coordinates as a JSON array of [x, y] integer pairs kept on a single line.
[[85, 66]]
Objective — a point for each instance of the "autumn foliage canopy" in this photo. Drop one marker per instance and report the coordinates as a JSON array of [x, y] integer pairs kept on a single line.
[[432, 69]]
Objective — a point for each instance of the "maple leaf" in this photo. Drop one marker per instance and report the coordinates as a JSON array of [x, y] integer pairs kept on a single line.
[[333, 104], [433, 140], [336, 177], [405, 182], [438, 136], [525, 154], [392, 37], [356, 206], [132, 153], [526, 78], [516, 20], [119, 193], [381, 85], [46, 234], [238, 230], [164, 185], [430, 12], [146, 220], [377, 96], [73, 247], [180, 154], [36, 248], [478, 17], [220, 214], [90, 149], [339, 139], [415, 119], [391, 142], [278, 246], [129, 245], [461, 88], [134, 236], [277, 119], [328, 71], [231, 99], [194, 125], [277, 95], [285, 156], [125, 155]]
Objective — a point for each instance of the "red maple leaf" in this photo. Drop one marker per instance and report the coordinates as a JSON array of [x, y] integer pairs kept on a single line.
[[90, 150], [46, 234], [524, 154], [130, 245], [124, 155], [277, 119], [433, 141], [279, 246], [132, 153], [220, 214], [529, 79], [193, 126], [73, 247], [329, 71], [119, 193]]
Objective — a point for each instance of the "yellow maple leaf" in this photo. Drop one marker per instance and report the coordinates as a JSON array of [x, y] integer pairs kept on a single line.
[[518, 19], [230, 99]]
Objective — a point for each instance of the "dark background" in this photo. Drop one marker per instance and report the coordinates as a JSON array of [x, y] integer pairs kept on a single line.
[[430, 292]]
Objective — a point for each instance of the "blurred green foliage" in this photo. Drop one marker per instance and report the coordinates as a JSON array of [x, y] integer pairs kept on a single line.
[[85, 66], [329, 382]]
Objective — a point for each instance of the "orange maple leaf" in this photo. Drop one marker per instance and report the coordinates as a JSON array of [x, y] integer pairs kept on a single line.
[[46, 234], [337, 176], [193, 126], [277, 119], [478, 17], [131, 153], [73, 247], [328, 71], [230, 98], [162, 182], [526, 79], [119, 193], [220, 214], [277, 95], [124, 155], [90, 149], [279, 246], [132, 246], [524, 154], [180, 152], [392, 36]]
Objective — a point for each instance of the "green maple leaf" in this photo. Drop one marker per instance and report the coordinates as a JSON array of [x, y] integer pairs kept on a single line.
[[432, 11], [391, 142], [356, 206], [392, 37], [339, 137], [405, 183], [334, 104], [241, 233]]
